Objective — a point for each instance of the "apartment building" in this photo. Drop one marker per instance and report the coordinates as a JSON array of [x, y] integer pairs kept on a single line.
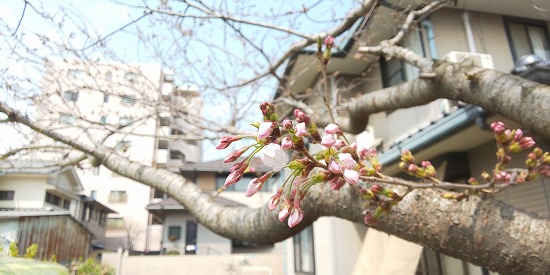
[[492, 34], [135, 109]]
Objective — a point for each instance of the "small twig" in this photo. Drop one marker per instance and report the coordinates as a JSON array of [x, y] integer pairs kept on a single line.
[[20, 19]]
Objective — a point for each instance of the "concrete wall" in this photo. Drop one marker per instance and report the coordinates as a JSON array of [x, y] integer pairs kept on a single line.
[[244, 264], [337, 244]]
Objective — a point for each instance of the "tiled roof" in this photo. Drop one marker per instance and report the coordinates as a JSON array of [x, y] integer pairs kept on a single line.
[[28, 167]]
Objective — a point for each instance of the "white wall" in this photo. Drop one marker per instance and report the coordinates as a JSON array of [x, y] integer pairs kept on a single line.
[[30, 190]]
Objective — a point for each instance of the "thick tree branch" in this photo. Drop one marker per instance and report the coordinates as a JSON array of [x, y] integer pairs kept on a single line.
[[422, 217], [519, 99]]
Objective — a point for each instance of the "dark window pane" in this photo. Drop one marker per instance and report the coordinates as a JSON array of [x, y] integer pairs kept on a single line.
[[7, 195]]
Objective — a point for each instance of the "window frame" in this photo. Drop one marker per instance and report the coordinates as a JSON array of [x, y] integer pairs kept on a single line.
[[7, 195], [70, 95], [122, 196], [297, 239], [526, 23], [174, 233], [128, 100], [67, 119]]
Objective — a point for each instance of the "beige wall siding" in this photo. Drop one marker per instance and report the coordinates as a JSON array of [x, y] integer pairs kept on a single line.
[[449, 32], [490, 37], [534, 196], [488, 30], [30, 191]]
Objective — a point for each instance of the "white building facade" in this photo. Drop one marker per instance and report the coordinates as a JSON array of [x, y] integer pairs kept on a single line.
[[132, 108]]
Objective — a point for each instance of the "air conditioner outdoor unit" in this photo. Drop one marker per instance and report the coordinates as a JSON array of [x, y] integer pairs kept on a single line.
[[479, 59]]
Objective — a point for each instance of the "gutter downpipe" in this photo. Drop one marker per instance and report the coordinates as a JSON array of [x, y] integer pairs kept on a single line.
[[469, 34]]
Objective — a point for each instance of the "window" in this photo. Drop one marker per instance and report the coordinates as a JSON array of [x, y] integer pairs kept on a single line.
[[53, 199], [168, 78], [127, 100], [527, 37], [123, 146], [174, 233], [74, 73], [396, 71], [125, 121], [70, 95], [66, 119], [130, 77], [93, 194], [164, 121], [102, 218], [157, 194], [66, 204], [190, 237], [7, 195], [163, 144], [105, 98], [96, 171], [115, 224], [176, 132], [118, 197], [103, 119], [432, 262], [304, 260]]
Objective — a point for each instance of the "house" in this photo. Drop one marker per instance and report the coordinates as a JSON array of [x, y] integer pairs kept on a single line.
[[492, 34], [91, 99], [183, 235], [40, 203]]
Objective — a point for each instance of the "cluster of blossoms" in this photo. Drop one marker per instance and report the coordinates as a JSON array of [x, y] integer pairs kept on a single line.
[[513, 141], [338, 162], [407, 164]]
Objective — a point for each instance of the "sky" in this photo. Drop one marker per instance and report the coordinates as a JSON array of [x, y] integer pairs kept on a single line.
[[208, 47]]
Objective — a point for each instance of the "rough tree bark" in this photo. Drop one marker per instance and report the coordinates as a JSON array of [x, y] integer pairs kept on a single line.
[[484, 232], [524, 101]]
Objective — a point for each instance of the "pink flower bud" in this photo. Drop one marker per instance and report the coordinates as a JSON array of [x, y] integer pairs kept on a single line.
[[225, 141], [301, 129], [274, 200], [284, 212], [347, 160], [526, 143], [233, 177], [287, 123], [426, 163], [235, 155], [334, 167], [336, 183], [296, 217], [338, 144], [332, 129], [352, 148], [265, 129], [301, 116], [518, 134], [254, 186], [413, 168], [286, 143], [328, 140], [498, 127], [329, 41], [351, 176]]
